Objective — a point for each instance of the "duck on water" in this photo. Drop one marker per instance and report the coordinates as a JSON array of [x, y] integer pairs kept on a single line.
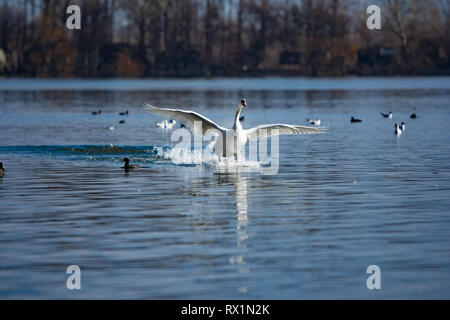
[[388, 115], [397, 131], [129, 166], [315, 122]]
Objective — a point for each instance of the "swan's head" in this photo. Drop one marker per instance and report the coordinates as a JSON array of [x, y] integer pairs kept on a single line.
[[243, 103], [126, 160], [1, 165]]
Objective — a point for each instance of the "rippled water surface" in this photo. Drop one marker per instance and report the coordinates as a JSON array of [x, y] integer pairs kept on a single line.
[[354, 197]]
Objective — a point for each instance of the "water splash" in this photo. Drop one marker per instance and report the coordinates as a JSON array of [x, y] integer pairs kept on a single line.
[[137, 154]]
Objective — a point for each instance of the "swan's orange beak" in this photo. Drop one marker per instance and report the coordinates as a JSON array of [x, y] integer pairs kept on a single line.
[[244, 103]]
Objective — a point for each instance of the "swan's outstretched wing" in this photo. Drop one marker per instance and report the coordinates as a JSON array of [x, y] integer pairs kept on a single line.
[[188, 118], [270, 130]]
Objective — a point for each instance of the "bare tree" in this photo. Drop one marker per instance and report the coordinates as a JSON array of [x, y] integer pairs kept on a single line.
[[212, 37]]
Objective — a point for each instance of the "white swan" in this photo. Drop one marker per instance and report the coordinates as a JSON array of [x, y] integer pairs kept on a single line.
[[232, 139]]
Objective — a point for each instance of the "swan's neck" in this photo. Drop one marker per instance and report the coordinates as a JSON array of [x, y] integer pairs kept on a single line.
[[237, 123]]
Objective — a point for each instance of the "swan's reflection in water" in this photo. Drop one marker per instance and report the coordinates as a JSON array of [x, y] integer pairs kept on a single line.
[[235, 176]]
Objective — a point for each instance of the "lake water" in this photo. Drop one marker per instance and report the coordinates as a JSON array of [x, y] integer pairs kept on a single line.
[[353, 197]]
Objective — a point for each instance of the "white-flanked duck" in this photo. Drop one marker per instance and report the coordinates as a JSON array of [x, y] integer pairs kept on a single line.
[[397, 131], [389, 115], [314, 122]]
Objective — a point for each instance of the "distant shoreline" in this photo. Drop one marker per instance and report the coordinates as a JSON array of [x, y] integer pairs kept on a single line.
[[262, 74], [229, 84]]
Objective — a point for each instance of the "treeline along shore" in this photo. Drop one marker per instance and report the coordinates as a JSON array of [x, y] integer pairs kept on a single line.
[[192, 38]]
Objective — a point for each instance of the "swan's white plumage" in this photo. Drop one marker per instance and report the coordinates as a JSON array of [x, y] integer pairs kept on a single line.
[[237, 133], [186, 117], [270, 130]]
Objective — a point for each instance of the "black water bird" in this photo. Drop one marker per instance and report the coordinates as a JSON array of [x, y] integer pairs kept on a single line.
[[353, 120], [242, 118], [122, 121], [413, 116], [97, 112], [129, 166], [2, 170], [389, 115], [124, 113]]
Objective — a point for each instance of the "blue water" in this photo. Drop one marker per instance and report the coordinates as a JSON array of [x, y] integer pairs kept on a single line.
[[354, 197]]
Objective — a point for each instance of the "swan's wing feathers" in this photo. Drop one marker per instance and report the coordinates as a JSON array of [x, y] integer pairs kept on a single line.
[[270, 130], [188, 118]]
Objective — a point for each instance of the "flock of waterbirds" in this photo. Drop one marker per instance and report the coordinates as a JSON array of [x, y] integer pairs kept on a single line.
[[122, 121], [127, 167], [168, 124], [398, 129]]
